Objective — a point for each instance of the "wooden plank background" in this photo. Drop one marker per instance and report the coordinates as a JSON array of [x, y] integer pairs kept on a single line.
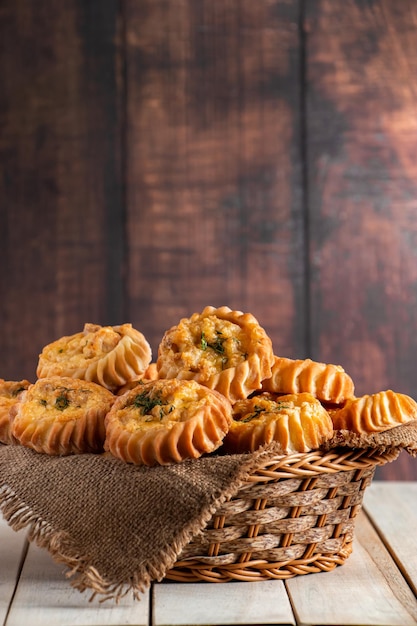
[[161, 155]]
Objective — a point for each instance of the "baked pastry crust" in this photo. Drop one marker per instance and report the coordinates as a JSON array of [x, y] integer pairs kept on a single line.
[[375, 413], [108, 355], [298, 422], [61, 415], [10, 391], [220, 348], [327, 382], [151, 373], [166, 421]]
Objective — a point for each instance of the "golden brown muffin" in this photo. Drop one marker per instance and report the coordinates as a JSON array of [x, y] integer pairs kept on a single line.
[[298, 422], [166, 421], [375, 413], [10, 391], [149, 374], [61, 415], [222, 349], [108, 355], [327, 382]]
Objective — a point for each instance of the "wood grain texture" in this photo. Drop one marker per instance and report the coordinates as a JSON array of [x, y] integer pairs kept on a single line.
[[12, 553], [61, 211], [361, 64], [368, 589], [214, 189], [261, 602], [45, 598], [392, 508]]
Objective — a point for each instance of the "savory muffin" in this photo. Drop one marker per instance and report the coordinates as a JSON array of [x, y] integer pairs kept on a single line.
[[108, 355], [220, 348], [298, 422], [375, 413], [61, 415], [327, 382], [166, 421], [10, 391]]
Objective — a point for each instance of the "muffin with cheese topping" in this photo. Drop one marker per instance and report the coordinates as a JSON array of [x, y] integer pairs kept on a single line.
[[166, 421], [219, 348], [61, 415], [298, 422], [108, 355], [10, 391]]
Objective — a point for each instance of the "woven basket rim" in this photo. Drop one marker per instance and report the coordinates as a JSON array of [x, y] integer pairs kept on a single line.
[[323, 461]]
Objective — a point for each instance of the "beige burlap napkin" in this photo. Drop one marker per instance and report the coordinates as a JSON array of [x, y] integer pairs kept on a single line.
[[117, 527]]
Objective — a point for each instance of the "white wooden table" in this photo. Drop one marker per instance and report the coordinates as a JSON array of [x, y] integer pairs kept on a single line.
[[377, 585]]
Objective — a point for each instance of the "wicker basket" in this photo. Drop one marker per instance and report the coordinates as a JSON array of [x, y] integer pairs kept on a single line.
[[294, 516]]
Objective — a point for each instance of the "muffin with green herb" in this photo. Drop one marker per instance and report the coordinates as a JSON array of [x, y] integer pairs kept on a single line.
[[61, 415], [297, 422], [10, 391], [166, 421], [219, 348]]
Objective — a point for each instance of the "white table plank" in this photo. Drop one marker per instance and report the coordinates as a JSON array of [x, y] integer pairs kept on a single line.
[[368, 589], [392, 507], [45, 598], [12, 548], [263, 602]]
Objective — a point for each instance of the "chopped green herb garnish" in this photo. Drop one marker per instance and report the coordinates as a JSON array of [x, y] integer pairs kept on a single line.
[[257, 411], [145, 403], [216, 345], [61, 402], [164, 411]]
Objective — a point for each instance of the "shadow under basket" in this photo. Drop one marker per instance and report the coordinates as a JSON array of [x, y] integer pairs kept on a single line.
[[295, 515]]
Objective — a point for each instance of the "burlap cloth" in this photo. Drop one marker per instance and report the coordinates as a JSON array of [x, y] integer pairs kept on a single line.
[[117, 527]]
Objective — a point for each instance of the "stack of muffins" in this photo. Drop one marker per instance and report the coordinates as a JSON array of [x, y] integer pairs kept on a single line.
[[216, 386]]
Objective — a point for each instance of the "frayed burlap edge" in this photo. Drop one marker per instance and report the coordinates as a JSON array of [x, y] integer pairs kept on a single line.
[[82, 575], [403, 437]]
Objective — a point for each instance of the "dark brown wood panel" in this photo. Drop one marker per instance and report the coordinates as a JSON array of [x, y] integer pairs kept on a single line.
[[61, 219], [214, 186], [362, 192]]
